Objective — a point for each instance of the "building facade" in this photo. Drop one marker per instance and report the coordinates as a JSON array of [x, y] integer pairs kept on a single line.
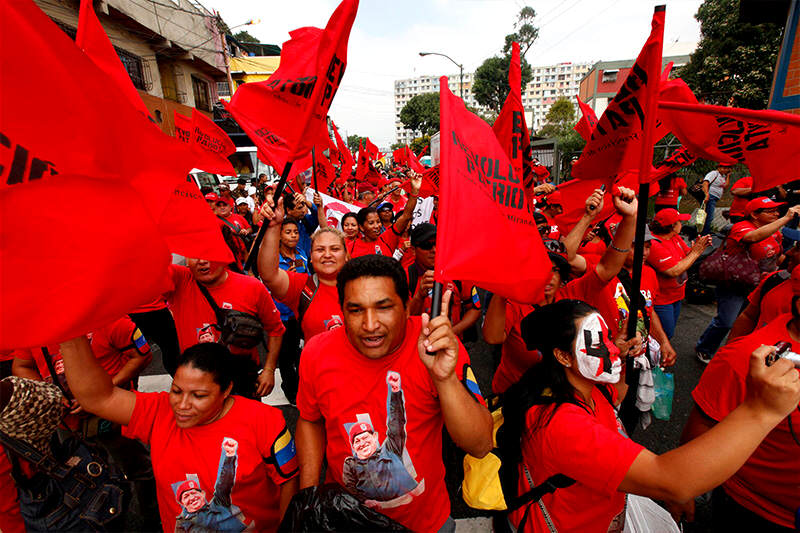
[[172, 50]]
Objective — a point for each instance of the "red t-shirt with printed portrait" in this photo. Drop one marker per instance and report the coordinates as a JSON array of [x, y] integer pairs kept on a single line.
[[324, 312], [767, 484], [763, 249], [515, 359], [241, 485], [404, 474], [665, 254], [591, 448], [113, 344], [194, 317]]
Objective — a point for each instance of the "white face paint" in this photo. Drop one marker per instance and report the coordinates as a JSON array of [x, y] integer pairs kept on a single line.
[[598, 358]]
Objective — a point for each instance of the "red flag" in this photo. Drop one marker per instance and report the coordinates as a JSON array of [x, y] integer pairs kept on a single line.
[[615, 143], [333, 153], [511, 129], [347, 157], [430, 183], [325, 173], [92, 39], [766, 141], [211, 140], [76, 163], [423, 151], [183, 128], [406, 157], [588, 121], [505, 253], [372, 150], [285, 115]]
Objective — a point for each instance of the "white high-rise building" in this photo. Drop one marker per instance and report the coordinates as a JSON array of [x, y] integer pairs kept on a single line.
[[547, 85]]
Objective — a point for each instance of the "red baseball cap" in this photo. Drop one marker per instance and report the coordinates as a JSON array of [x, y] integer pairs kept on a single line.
[[762, 202], [212, 196], [554, 198], [667, 217], [189, 484], [358, 428]]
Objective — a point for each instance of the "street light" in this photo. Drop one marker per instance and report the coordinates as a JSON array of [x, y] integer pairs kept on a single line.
[[460, 68]]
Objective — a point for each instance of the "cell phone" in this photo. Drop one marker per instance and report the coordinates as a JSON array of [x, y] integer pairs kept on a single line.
[[783, 351], [602, 188]]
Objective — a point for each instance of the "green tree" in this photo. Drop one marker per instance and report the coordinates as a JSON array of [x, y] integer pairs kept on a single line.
[[734, 61], [353, 141], [490, 85], [419, 143], [245, 37], [559, 120], [421, 113]]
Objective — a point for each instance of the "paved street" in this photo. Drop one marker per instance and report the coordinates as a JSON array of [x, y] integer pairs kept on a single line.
[[659, 437]]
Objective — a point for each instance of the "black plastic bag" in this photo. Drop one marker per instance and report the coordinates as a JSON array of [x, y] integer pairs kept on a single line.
[[330, 507]]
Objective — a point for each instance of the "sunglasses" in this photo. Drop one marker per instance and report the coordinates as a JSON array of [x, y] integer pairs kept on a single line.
[[427, 245]]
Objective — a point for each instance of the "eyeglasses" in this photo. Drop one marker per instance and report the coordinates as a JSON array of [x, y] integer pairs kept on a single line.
[[427, 245]]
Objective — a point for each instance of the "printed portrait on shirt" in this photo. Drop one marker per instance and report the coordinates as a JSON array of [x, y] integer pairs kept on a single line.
[[381, 474], [208, 333], [198, 512]]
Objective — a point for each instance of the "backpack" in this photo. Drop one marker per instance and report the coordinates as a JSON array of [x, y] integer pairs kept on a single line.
[[237, 328]]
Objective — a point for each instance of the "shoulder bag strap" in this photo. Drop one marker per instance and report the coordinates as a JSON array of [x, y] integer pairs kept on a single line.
[[230, 224], [48, 360], [307, 296], [550, 485], [41, 461], [218, 313]]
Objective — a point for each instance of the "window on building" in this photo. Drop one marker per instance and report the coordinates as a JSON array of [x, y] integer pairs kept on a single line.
[[223, 89], [610, 76], [202, 100], [133, 64]]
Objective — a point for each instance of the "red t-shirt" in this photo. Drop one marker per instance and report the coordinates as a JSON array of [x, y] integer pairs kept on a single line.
[[236, 220], [194, 317], [155, 305], [405, 474], [37, 357], [665, 254], [591, 448], [670, 196], [608, 297], [323, 313], [776, 301], [763, 249], [6, 355], [398, 203], [10, 518], [384, 245], [767, 483], [593, 250], [245, 484], [739, 203], [112, 344], [554, 231], [515, 359]]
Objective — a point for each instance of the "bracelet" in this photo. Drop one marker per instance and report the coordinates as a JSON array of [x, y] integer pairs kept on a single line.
[[270, 368], [620, 250]]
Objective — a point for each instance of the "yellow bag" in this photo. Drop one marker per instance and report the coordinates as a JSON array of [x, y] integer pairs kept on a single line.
[[481, 487]]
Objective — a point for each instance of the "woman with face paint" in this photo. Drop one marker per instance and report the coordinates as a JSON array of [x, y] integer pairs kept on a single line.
[[560, 418]]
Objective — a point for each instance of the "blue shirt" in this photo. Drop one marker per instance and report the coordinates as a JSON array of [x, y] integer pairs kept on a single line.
[[308, 225], [284, 263]]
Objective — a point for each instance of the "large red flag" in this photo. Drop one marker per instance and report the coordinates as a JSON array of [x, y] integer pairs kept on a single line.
[[285, 115], [372, 150], [511, 129], [482, 203], [63, 170], [326, 174], [347, 157], [333, 153], [430, 183], [767, 141], [92, 39], [211, 139], [587, 122], [183, 128], [615, 143]]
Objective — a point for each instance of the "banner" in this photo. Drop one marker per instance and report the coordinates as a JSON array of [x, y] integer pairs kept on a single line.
[[285, 115], [335, 209], [482, 203], [767, 141], [511, 129], [615, 143]]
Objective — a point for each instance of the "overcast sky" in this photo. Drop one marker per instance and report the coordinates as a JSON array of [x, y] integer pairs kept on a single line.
[[388, 35]]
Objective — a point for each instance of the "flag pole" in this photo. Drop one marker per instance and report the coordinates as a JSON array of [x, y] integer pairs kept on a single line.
[[260, 235], [645, 162], [314, 166]]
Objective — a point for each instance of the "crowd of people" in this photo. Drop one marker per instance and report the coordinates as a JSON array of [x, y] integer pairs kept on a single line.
[[343, 310]]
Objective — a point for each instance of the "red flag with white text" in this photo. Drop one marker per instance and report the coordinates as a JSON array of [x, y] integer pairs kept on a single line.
[[615, 143], [482, 202], [285, 115]]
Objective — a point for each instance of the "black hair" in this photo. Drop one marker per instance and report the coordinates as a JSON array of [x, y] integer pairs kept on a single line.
[[206, 189], [539, 218], [289, 220], [210, 357], [561, 264], [545, 329], [373, 266], [658, 229], [349, 215], [361, 216], [288, 200], [241, 181]]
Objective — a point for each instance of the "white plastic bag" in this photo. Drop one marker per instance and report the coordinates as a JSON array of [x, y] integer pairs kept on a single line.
[[643, 515], [698, 219]]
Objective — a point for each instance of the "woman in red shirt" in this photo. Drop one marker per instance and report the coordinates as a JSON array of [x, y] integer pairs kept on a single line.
[[221, 462], [671, 258], [670, 189], [559, 419], [759, 234], [350, 227]]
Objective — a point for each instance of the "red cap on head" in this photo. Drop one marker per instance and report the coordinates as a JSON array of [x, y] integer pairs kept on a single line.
[[554, 198], [796, 280], [189, 484], [667, 217], [762, 202], [212, 196], [358, 428]]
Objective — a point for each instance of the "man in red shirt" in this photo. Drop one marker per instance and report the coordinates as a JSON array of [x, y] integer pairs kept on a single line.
[[196, 321], [741, 195], [771, 298], [381, 372], [375, 242], [227, 217], [552, 208]]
